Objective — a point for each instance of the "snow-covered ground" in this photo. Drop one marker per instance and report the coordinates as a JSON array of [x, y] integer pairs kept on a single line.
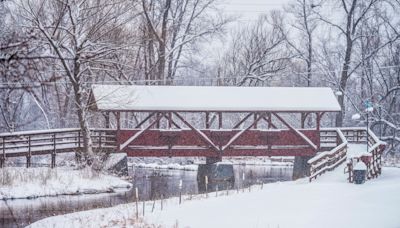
[[327, 202], [18, 182]]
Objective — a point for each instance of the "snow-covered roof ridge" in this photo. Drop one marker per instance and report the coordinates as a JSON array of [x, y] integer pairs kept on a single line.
[[212, 98]]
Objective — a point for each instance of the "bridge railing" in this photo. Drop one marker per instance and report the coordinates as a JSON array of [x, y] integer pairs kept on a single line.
[[51, 142], [329, 160], [372, 158]]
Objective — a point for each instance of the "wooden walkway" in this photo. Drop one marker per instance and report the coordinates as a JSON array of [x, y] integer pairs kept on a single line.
[[331, 159], [334, 143], [51, 142]]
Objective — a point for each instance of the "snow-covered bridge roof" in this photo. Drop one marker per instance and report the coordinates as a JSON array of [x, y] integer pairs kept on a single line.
[[232, 99]]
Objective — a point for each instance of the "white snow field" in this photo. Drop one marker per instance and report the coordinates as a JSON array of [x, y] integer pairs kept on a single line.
[[327, 202], [37, 182]]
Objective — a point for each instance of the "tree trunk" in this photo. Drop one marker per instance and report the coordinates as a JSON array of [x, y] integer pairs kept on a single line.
[[343, 82], [85, 130], [82, 116], [163, 44]]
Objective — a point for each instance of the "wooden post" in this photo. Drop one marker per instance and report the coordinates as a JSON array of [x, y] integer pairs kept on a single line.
[[28, 157], [319, 115], [136, 199], [269, 120], [99, 139], [3, 156], [303, 119], [162, 201], [107, 120], [206, 182], [338, 139], [158, 121], [118, 119], [169, 120], [219, 120], [117, 133], [53, 154], [318, 121], [207, 120], [154, 205], [243, 179], [255, 120], [144, 205], [357, 136], [180, 191], [79, 139]]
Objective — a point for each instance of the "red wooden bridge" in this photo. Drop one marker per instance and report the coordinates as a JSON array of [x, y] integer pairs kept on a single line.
[[210, 122]]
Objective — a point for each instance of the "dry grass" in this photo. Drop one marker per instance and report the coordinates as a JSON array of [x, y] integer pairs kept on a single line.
[[11, 176]]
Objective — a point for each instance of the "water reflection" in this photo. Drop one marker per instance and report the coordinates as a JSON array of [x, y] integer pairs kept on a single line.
[[151, 184]]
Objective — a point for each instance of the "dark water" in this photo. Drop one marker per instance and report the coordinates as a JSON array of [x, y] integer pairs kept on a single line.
[[151, 184]]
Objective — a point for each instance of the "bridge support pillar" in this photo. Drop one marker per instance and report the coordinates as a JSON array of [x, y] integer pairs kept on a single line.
[[217, 175], [212, 160], [300, 167]]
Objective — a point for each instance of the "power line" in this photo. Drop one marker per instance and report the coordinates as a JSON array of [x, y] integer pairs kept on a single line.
[[191, 79]]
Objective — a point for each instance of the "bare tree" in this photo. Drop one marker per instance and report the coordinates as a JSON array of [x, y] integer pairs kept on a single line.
[[174, 26], [76, 34], [354, 12], [305, 24], [257, 52]]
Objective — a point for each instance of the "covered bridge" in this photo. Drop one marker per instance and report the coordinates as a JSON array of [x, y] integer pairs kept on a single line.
[[167, 126]]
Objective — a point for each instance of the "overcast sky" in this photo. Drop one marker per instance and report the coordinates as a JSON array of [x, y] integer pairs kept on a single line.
[[250, 9]]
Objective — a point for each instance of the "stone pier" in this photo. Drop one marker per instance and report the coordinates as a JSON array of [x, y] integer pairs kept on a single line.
[[218, 175], [300, 167]]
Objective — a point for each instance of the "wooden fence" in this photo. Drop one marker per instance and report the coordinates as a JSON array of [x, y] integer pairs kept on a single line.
[[373, 157], [329, 160], [50, 142]]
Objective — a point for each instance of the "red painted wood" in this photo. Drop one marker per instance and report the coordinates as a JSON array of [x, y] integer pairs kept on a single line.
[[211, 153], [253, 137]]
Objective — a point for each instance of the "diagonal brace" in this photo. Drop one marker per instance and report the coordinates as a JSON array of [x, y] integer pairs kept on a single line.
[[305, 138], [133, 137], [237, 135], [145, 119], [199, 133], [242, 121]]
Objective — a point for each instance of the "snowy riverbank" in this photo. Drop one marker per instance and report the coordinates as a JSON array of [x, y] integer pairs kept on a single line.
[[18, 182], [234, 161], [328, 202]]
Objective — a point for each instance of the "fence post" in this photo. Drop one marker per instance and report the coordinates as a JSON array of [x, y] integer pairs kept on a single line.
[[206, 182], [28, 157], [79, 139], [350, 169], [3, 156], [180, 191], [144, 207], [99, 139], [162, 196], [136, 199], [337, 138], [53, 154]]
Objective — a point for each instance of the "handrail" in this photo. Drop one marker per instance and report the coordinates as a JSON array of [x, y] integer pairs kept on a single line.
[[28, 143], [373, 160], [329, 160]]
